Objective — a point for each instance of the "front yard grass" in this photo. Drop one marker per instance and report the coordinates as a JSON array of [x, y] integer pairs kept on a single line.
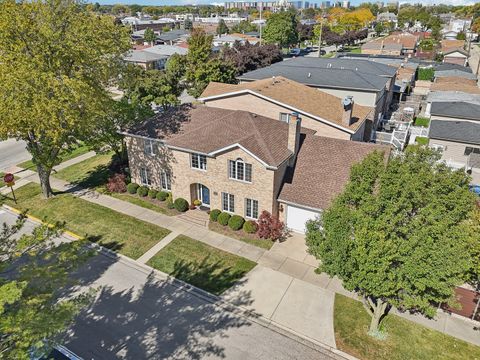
[[89, 173], [405, 339], [116, 231], [64, 156], [421, 121], [145, 202], [251, 239], [421, 140], [201, 265]]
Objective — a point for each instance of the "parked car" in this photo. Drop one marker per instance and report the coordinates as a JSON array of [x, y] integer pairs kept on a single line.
[[308, 49], [295, 52], [323, 52]]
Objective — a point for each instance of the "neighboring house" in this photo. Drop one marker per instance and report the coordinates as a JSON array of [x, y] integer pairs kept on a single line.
[[378, 47], [370, 83], [455, 73], [456, 56], [172, 37], [455, 131], [387, 17], [230, 39], [455, 84], [154, 57], [447, 66], [395, 44], [240, 162], [278, 97], [448, 45], [450, 96], [143, 22]]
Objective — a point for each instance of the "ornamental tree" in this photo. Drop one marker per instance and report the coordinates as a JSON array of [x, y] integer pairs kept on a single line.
[[57, 60], [222, 28], [398, 235], [33, 271], [149, 36], [281, 29]]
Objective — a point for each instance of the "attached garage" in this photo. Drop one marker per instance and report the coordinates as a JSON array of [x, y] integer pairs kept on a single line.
[[296, 217]]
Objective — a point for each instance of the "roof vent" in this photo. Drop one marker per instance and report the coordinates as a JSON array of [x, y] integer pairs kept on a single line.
[[329, 65], [309, 75]]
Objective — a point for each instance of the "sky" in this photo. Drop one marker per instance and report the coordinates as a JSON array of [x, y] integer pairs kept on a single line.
[[219, 2]]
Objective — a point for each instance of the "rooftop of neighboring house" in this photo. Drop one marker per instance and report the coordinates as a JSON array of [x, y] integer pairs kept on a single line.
[[167, 50], [298, 97], [142, 56], [391, 60], [458, 131], [316, 72], [407, 40], [439, 96], [231, 38], [456, 109], [322, 170], [448, 66], [207, 130], [173, 35], [448, 45], [451, 52], [455, 73], [455, 84]]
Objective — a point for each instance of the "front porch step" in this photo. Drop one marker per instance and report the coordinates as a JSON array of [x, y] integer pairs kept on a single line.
[[197, 217]]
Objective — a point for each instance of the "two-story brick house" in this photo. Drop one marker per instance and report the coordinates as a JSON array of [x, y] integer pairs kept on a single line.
[[241, 162]]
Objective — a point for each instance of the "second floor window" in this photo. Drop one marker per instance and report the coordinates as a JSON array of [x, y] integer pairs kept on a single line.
[[469, 150], [238, 170], [199, 161], [166, 181], [149, 147], [145, 177]]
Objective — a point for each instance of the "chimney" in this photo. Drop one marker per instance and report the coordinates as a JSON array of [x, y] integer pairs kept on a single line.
[[347, 104], [294, 124]]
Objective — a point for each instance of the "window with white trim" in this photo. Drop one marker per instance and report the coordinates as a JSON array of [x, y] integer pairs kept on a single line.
[[145, 177], [284, 117], [166, 181], [251, 208], [149, 147], [228, 202], [239, 170], [199, 161], [469, 150]]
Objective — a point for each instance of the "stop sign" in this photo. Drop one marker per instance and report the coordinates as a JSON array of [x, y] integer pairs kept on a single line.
[[8, 178]]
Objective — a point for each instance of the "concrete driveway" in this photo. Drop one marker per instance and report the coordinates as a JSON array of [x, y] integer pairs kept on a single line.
[[295, 304]]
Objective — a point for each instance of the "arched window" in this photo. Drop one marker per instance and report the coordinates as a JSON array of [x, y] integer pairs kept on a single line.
[[239, 170]]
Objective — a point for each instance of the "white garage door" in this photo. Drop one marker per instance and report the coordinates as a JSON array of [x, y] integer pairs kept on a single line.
[[297, 217]]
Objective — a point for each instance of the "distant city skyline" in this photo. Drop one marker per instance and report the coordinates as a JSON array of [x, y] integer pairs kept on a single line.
[[217, 2]]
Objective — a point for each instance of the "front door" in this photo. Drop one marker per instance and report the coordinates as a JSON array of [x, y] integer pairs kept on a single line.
[[204, 195]]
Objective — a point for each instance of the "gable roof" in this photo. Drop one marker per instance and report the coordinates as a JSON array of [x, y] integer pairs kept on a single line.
[[322, 170], [459, 131], [299, 97], [453, 51], [456, 109], [208, 130], [319, 76]]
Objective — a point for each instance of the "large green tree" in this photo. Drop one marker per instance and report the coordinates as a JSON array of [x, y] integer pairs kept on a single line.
[[149, 36], [34, 269], [398, 235], [57, 59], [203, 66], [281, 29], [222, 28]]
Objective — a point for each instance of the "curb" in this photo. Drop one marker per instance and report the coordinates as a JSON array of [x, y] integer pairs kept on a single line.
[[206, 296]]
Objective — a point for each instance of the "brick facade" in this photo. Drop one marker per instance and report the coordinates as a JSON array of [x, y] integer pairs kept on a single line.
[[264, 187]]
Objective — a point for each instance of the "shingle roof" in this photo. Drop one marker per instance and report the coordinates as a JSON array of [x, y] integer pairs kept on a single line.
[[460, 131], [439, 96], [317, 76], [456, 109], [455, 73], [448, 45], [206, 129], [173, 35], [298, 96], [322, 170], [166, 50], [143, 56], [448, 66]]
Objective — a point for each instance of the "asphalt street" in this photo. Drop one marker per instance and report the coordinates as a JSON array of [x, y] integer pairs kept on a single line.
[[139, 315], [12, 152]]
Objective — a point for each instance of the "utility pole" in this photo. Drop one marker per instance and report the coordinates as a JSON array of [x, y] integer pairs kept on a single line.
[[320, 37], [260, 23]]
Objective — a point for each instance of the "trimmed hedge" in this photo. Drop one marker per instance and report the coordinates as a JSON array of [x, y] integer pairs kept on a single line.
[[214, 214], [152, 193], [236, 222], [250, 227], [162, 195], [181, 204], [132, 188], [142, 191], [223, 218]]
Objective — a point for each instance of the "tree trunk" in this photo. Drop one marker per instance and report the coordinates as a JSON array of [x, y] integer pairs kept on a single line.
[[44, 175], [376, 308]]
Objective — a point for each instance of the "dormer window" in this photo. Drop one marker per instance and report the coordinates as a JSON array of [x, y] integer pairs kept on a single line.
[[199, 161], [239, 170]]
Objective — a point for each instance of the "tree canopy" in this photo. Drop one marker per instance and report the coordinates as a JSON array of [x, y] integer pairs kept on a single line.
[[398, 235], [222, 28], [57, 61], [250, 57], [149, 36], [33, 270], [281, 29]]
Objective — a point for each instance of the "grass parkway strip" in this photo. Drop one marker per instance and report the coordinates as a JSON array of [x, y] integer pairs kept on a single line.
[[115, 231]]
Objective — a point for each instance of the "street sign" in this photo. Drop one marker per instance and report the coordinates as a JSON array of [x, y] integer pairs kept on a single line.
[[8, 178]]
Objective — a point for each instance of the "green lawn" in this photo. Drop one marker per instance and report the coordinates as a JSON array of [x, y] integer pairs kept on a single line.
[[421, 140], [89, 173], [144, 202], [64, 156], [405, 339], [241, 235], [118, 232], [421, 121], [201, 265]]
